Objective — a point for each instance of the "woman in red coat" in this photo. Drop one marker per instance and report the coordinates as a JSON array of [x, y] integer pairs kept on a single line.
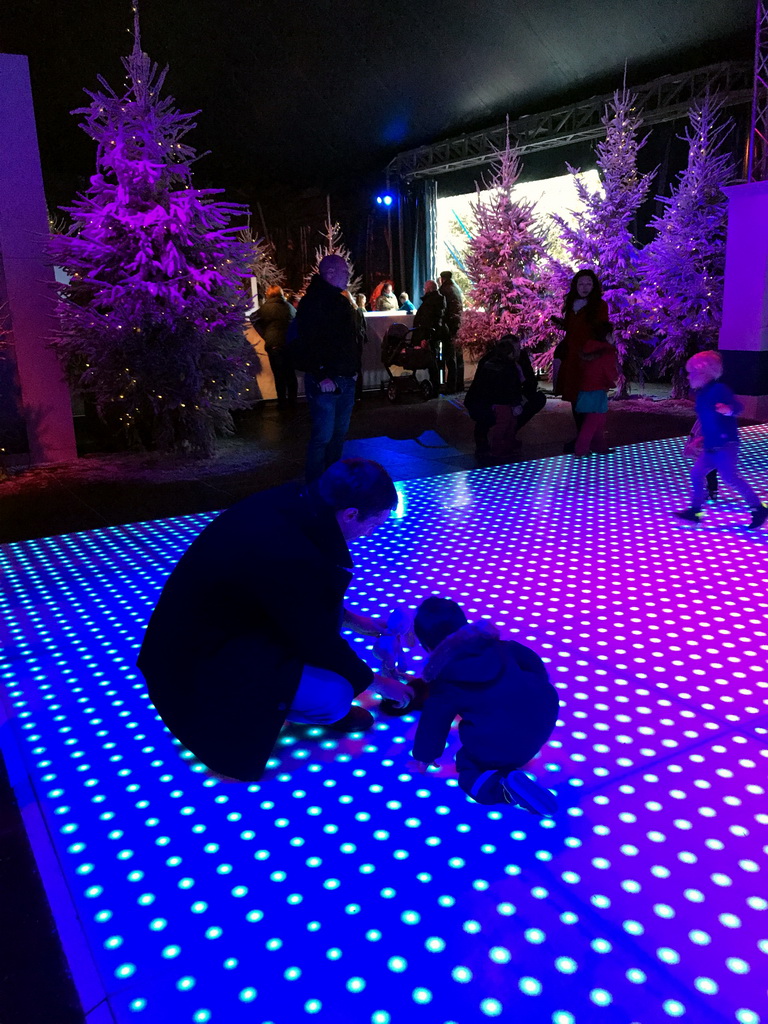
[[583, 309]]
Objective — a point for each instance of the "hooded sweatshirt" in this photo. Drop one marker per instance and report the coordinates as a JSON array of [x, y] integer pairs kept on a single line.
[[500, 690]]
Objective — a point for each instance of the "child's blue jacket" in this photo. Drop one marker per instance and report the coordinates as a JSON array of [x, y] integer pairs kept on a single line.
[[717, 430]]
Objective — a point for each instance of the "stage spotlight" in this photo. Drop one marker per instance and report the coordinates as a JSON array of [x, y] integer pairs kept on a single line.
[[384, 200]]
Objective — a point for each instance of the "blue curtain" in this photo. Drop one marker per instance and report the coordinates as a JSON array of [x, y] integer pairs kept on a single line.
[[418, 209]]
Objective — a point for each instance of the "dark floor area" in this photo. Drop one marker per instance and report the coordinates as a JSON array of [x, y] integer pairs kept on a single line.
[[412, 438]]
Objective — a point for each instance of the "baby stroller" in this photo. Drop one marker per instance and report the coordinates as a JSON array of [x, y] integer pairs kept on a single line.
[[398, 349]]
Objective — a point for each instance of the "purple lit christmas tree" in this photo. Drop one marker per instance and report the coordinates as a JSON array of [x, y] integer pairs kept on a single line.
[[506, 264], [600, 235], [151, 322], [684, 265]]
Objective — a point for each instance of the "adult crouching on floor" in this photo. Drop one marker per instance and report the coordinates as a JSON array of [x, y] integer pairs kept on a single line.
[[246, 633]]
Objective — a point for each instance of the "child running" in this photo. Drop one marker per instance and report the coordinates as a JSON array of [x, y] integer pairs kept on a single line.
[[717, 408], [500, 690]]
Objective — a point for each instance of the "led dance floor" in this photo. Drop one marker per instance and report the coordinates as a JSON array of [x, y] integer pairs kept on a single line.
[[343, 890]]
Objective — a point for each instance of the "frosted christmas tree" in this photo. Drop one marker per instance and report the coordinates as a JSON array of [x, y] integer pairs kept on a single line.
[[151, 321], [333, 244], [600, 238], [264, 270], [684, 265], [506, 264]]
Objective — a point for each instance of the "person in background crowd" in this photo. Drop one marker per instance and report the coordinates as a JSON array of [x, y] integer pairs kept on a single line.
[[406, 306], [501, 692], [717, 408], [362, 339], [247, 630], [429, 325], [453, 358], [271, 320], [326, 347], [583, 308], [386, 302]]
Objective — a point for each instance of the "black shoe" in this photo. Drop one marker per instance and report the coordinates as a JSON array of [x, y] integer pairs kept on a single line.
[[759, 516], [357, 719], [712, 493], [690, 515], [520, 789]]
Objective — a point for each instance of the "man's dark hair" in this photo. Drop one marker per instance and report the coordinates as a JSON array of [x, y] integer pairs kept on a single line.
[[436, 619], [446, 275], [357, 483]]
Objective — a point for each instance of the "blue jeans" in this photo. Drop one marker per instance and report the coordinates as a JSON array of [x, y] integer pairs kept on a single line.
[[323, 697], [330, 413], [725, 461]]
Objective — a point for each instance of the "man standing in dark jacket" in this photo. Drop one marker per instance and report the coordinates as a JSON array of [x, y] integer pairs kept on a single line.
[[429, 324], [271, 320], [246, 632], [326, 348], [452, 355]]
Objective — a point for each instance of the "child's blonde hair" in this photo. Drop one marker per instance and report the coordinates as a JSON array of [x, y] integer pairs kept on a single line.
[[709, 361]]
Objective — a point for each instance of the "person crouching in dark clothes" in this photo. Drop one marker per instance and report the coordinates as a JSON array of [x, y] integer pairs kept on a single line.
[[502, 394], [506, 705], [247, 630]]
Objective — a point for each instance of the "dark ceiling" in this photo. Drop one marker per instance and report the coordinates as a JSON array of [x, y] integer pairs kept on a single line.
[[320, 93]]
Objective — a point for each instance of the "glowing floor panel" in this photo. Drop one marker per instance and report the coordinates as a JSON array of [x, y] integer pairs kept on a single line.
[[342, 889]]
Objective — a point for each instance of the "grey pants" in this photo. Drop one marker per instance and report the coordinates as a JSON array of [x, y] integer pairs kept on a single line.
[[725, 461]]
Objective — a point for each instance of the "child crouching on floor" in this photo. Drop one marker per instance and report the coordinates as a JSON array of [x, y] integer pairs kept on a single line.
[[717, 408], [502, 694]]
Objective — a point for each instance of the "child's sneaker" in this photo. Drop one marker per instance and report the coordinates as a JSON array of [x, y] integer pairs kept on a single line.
[[759, 516], [520, 789], [690, 515]]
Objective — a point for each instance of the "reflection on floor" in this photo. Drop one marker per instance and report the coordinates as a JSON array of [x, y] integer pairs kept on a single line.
[[344, 890]]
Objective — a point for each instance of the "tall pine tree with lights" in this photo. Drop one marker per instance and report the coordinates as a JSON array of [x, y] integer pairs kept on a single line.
[[599, 236], [506, 264], [151, 323], [684, 265]]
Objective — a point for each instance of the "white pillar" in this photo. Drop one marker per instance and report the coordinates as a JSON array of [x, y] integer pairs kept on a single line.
[[40, 401], [744, 331]]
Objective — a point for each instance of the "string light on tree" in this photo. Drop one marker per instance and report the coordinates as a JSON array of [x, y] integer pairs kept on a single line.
[[158, 275]]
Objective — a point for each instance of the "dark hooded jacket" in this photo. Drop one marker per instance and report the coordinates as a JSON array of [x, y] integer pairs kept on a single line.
[[500, 690], [272, 319], [324, 340], [429, 319], [455, 305], [255, 597]]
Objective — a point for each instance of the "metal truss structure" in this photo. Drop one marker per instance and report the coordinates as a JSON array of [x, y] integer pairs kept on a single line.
[[664, 99], [757, 160]]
